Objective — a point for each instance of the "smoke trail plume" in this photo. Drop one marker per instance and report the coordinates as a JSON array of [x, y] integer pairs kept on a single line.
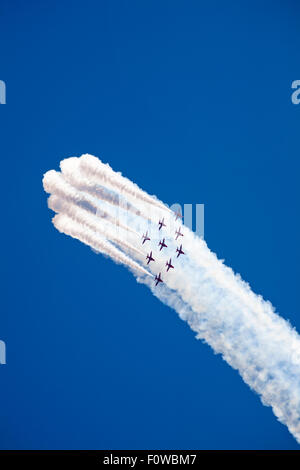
[[67, 225], [109, 213]]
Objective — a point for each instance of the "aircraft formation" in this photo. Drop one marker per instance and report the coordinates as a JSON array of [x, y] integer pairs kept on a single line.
[[162, 244]]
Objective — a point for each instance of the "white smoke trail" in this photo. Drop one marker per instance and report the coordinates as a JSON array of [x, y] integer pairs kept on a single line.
[[89, 175], [66, 225], [93, 167], [55, 183], [72, 174], [215, 302], [83, 217]]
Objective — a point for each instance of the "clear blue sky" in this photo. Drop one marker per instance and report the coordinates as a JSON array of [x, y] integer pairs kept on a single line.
[[191, 100]]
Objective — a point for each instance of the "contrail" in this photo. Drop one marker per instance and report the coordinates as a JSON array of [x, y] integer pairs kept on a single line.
[[218, 305], [55, 183], [65, 224], [83, 217], [91, 176], [93, 167]]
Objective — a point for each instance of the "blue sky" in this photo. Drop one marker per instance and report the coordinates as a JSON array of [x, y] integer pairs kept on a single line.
[[191, 100]]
